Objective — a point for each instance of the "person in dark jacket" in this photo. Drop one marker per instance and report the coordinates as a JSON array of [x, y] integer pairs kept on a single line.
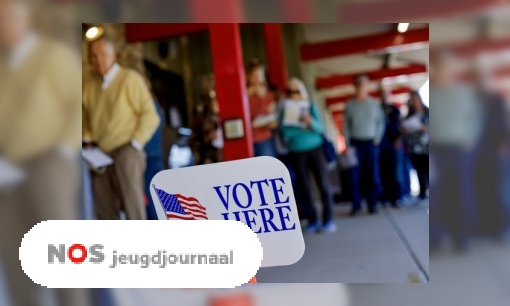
[[208, 132], [154, 152], [418, 141], [390, 158]]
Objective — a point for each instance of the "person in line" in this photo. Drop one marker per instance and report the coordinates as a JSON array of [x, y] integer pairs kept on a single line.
[[119, 118], [305, 142], [262, 108], [407, 198], [208, 132], [390, 152], [363, 130], [418, 141]]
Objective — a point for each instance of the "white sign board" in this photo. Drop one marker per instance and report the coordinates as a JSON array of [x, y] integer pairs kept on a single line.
[[256, 191]]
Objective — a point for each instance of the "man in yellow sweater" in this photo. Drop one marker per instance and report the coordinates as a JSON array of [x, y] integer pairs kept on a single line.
[[118, 117], [40, 134]]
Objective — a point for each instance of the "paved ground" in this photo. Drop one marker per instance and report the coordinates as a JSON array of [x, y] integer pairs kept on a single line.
[[477, 277], [391, 247]]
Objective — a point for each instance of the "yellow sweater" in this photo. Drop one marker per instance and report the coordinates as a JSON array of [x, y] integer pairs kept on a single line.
[[122, 112], [40, 102]]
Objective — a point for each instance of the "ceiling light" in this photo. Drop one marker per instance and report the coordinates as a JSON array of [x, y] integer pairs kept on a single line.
[[94, 33], [402, 27]]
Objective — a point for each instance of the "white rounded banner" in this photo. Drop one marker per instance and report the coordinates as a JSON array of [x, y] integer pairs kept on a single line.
[[140, 254]]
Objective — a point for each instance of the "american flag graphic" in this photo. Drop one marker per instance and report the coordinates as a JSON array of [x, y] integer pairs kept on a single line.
[[180, 207]]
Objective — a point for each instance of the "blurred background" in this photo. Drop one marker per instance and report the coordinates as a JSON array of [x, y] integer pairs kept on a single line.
[[469, 82]]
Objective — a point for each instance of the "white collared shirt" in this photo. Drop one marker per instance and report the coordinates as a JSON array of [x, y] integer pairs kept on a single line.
[[110, 75], [22, 50]]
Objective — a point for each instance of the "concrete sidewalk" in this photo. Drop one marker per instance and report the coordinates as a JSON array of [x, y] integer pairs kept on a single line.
[[391, 247]]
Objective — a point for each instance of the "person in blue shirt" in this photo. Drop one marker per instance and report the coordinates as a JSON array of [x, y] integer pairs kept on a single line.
[[304, 139]]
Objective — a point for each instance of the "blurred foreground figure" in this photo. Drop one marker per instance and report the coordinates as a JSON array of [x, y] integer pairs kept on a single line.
[[454, 134], [39, 135], [492, 217], [119, 118]]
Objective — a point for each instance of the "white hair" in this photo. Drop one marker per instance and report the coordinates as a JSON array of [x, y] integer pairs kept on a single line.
[[301, 86]]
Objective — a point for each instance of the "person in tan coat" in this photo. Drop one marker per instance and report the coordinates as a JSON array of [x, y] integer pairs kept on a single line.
[[119, 118]]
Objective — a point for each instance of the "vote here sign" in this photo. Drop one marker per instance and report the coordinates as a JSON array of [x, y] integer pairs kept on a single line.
[[256, 191]]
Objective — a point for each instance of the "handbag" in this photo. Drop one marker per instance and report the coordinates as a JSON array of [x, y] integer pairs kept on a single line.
[[329, 150], [348, 159], [280, 143]]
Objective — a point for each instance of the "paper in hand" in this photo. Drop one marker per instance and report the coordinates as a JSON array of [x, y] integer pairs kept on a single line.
[[264, 120], [349, 159], [96, 158], [412, 124], [293, 111]]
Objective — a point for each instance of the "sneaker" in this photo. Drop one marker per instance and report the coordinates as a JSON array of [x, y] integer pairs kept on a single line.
[[312, 227], [329, 227]]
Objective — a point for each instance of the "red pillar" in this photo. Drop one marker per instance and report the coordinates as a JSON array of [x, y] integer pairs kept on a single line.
[[231, 86], [277, 68]]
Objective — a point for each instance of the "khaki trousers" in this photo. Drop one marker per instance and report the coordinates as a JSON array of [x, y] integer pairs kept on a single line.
[[50, 192], [120, 187]]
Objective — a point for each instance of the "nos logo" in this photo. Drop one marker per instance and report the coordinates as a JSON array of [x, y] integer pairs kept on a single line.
[[77, 253]]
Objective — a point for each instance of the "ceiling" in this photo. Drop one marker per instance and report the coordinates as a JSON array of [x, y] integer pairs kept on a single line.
[[365, 62]]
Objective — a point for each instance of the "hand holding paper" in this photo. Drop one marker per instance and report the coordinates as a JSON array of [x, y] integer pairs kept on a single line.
[[294, 111], [264, 120], [307, 120], [412, 124], [96, 158]]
